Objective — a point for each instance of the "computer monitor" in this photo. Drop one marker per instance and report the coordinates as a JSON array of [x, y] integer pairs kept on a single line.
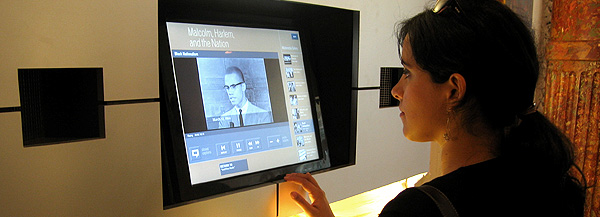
[[244, 100], [240, 102]]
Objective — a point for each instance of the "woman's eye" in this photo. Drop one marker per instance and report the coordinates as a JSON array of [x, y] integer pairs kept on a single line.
[[405, 72]]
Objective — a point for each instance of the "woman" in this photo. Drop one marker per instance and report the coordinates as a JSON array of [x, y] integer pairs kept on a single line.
[[471, 69]]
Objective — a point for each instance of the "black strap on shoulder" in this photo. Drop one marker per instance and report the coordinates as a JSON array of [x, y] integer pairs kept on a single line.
[[440, 199]]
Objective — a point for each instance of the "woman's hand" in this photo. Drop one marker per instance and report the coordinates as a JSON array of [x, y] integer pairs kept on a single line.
[[320, 205]]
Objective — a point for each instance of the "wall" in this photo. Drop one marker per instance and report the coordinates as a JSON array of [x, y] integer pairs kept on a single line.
[[572, 94], [120, 175]]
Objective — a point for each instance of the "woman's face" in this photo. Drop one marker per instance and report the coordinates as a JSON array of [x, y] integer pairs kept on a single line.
[[423, 106]]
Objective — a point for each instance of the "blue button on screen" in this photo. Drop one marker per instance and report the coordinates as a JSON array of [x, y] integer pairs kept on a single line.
[[233, 167]]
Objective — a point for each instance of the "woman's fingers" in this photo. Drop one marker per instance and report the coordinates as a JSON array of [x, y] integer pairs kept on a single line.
[[320, 206], [305, 205], [308, 183]]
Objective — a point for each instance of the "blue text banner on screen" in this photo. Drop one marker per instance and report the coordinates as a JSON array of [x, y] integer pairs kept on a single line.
[[221, 54], [212, 145]]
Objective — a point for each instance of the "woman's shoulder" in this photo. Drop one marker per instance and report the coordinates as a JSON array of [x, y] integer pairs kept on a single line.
[[495, 185], [466, 188], [411, 202]]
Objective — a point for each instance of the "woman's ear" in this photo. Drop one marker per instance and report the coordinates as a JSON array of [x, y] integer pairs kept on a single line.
[[457, 88]]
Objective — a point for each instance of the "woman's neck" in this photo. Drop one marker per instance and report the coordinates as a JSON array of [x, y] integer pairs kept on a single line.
[[464, 149]]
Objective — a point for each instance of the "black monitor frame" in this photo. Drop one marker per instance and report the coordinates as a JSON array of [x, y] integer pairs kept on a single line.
[[330, 46]]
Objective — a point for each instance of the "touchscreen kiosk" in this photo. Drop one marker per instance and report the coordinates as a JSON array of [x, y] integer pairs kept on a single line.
[[243, 97], [244, 107], [248, 91]]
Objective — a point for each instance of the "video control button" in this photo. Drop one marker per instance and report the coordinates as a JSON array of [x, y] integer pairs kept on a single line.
[[274, 141]]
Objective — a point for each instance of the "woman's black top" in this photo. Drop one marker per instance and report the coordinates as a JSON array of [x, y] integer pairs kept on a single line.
[[490, 188]]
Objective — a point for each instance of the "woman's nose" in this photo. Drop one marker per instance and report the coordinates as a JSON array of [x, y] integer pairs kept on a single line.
[[397, 91]]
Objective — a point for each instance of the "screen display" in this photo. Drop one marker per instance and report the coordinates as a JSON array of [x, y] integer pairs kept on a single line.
[[243, 97]]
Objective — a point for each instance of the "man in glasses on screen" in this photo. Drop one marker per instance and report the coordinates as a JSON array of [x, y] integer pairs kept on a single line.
[[243, 113]]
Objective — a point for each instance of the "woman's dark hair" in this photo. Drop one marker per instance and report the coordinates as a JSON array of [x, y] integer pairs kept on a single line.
[[491, 47]]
